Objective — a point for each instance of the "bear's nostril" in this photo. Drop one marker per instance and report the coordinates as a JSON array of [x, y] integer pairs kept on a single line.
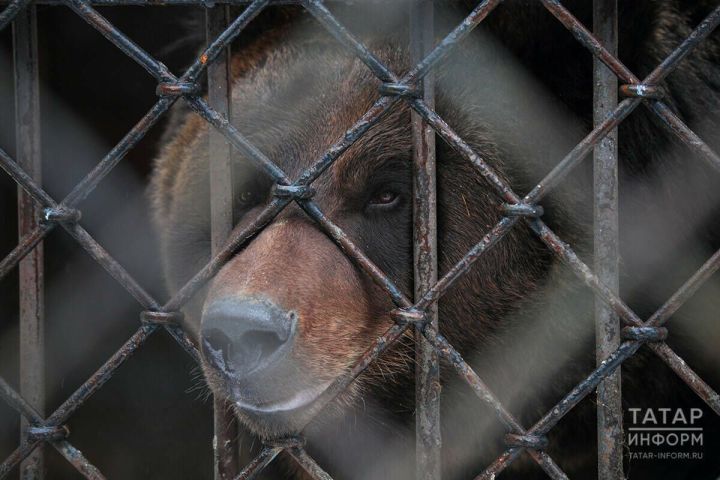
[[242, 337], [257, 345], [218, 346]]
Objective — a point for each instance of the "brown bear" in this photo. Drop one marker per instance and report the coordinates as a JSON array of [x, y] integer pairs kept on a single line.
[[290, 312]]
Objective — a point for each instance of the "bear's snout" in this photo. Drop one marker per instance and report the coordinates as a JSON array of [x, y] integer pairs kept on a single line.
[[242, 337], [283, 319]]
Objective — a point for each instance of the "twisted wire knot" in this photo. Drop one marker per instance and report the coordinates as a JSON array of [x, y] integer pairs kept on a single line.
[[150, 317], [535, 442], [47, 432], [60, 214], [645, 334], [529, 210], [295, 192]]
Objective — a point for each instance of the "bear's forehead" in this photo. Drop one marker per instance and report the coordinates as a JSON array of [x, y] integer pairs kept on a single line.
[[307, 109]]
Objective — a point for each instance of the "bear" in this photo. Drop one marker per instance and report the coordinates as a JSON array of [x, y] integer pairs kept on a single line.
[[290, 312]]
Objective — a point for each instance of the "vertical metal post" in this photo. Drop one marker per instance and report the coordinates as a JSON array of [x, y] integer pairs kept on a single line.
[[607, 324], [427, 373], [27, 139], [221, 211]]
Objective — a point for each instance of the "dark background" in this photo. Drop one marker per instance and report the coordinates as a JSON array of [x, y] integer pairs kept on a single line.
[[149, 420]]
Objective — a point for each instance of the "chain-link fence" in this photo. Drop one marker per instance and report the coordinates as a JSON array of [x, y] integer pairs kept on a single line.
[[621, 331]]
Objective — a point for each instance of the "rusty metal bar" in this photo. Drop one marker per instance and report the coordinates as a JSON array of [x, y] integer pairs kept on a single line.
[[687, 290], [148, 3], [240, 236], [223, 33], [258, 464], [31, 271], [237, 239], [33, 417], [81, 190], [454, 140], [308, 463], [563, 250], [370, 118], [623, 352], [74, 401], [428, 440], [569, 401], [675, 125], [118, 152], [669, 119], [117, 271], [20, 453], [356, 254], [606, 245], [577, 154], [452, 39], [344, 37], [172, 86], [506, 418], [466, 262], [18, 403], [12, 9], [101, 376], [127, 46], [219, 79], [670, 63], [24, 180], [237, 140], [76, 458]]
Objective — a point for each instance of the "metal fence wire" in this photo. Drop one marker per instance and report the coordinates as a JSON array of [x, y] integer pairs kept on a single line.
[[618, 339]]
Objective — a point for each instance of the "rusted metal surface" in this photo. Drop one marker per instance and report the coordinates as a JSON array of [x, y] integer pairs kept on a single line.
[[686, 291], [217, 19], [428, 441], [308, 463], [511, 423], [76, 458], [647, 88], [256, 465], [31, 268], [37, 432], [11, 11], [626, 314], [451, 40], [606, 245], [420, 314], [640, 90], [678, 128], [645, 334], [153, 3], [80, 191]]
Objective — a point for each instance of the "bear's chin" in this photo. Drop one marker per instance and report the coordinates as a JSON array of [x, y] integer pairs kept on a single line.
[[288, 417], [275, 425], [278, 425]]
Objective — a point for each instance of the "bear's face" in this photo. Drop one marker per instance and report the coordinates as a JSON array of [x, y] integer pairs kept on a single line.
[[290, 312]]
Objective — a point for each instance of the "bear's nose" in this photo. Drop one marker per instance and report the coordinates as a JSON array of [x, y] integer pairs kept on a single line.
[[240, 337]]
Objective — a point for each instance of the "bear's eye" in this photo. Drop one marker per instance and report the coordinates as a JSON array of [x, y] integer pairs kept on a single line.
[[384, 199]]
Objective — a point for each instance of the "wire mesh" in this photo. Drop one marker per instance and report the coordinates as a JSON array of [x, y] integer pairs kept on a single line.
[[419, 314]]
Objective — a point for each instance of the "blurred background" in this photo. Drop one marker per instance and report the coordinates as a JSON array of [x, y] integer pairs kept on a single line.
[[146, 422]]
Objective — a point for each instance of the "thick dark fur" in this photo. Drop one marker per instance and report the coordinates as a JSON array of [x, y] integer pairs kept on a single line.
[[519, 317]]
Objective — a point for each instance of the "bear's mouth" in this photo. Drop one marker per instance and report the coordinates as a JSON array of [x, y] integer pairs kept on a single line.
[[297, 401]]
